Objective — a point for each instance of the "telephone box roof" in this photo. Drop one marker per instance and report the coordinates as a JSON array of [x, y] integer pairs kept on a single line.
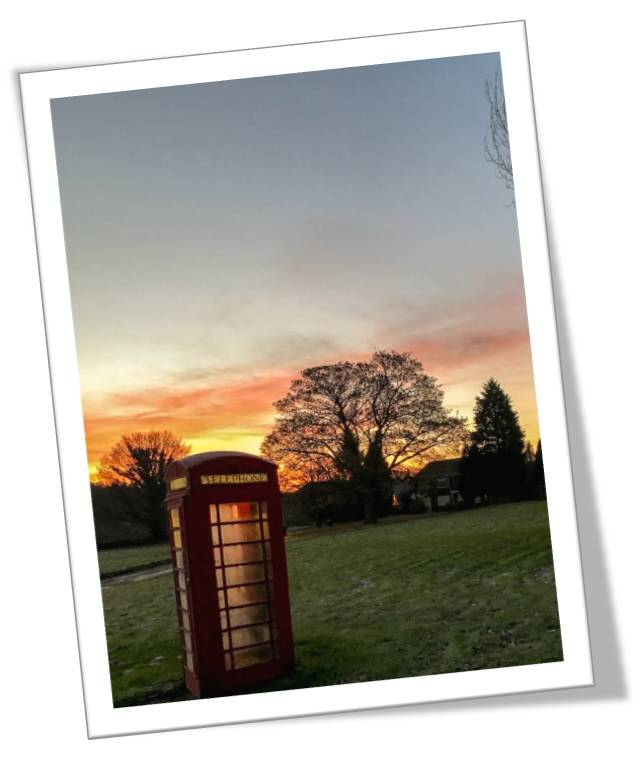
[[193, 460]]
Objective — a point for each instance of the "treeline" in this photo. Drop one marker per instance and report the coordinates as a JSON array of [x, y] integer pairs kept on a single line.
[[350, 440], [497, 463], [346, 430], [120, 516], [128, 500]]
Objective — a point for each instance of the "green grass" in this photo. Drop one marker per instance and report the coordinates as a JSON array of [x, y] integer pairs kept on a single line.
[[456, 592], [125, 559]]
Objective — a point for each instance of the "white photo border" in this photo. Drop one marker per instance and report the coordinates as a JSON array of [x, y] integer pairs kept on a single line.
[[38, 88]]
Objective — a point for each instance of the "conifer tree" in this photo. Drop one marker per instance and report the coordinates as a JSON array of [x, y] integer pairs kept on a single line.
[[494, 462], [375, 481], [538, 470]]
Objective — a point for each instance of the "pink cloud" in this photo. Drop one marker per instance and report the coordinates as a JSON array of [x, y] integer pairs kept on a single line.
[[245, 407]]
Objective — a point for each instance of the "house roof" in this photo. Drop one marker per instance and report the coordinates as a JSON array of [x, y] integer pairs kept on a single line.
[[441, 467]]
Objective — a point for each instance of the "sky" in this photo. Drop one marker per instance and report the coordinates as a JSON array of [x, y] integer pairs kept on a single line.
[[223, 236]]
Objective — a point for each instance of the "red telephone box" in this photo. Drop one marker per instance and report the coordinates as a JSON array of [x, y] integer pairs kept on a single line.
[[230, 571]]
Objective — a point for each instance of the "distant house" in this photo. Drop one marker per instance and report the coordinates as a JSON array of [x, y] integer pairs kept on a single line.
[[440, 482]]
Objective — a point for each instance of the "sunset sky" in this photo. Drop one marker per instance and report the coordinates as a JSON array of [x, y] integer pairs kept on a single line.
[[223, 236]]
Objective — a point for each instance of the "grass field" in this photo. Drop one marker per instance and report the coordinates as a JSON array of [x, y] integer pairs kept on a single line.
[[456, 592], [124, 559]]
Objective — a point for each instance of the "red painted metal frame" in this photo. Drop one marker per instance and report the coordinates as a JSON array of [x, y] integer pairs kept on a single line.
[[209, 677]]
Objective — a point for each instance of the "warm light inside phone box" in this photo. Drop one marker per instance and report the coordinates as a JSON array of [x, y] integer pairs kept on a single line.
[[227, 541]]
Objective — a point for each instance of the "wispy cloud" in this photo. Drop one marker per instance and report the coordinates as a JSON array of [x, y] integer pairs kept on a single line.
[[235, 407]]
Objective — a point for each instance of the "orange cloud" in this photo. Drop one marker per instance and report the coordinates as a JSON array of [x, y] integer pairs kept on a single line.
[[236, 409], [238, 414]]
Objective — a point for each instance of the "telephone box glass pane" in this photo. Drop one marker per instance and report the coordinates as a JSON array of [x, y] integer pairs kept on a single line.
[[235, 554], [250, 636], [175, 518], [189, 661], [182, 582], [244, 581], [246, 657], [178, 540], [240, 532], [180, 564], [249, 615], [254, 508], [239, 596], [240, 575], [238, 511]]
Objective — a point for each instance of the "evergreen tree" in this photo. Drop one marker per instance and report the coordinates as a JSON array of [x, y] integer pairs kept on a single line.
[[369, 475], [494, 463], [538, 470], [472, 475], [348, 460], [529, 453], [375, 482]]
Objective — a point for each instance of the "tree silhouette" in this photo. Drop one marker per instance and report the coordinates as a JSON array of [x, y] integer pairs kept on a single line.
[[375, 481], [538, 470], [138, 461], [497, 139], [362, 421], [494, 462]]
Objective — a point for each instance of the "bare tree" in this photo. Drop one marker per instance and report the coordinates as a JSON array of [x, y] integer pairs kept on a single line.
[[497, 138], [362, 421], [138, 461]]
